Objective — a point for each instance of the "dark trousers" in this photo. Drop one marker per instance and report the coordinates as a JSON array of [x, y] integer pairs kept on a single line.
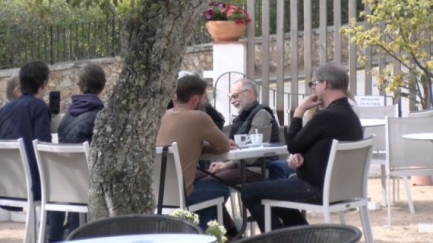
[[291, 189], [231, 177], [279, 169], [56, 228]]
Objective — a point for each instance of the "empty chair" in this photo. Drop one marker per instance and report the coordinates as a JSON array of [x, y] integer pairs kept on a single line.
[[345, 185], [134, 224], [324, 233], [16, 183], [174, 194], [64, 178], [407, 157]]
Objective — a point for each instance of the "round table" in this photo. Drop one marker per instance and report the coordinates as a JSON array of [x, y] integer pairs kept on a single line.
[[152, 238], [366, 122], [419, 136]]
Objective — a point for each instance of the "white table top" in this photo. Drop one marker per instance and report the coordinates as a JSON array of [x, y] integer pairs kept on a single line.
[[365, 122], [419, 136], [152, 238], [247, 153]]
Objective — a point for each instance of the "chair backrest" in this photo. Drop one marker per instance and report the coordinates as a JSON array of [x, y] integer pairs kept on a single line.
[[377, 113], [406, 152], [174, 192], [347, 170], [15, 177], [63, 171], [309, 233], [134, 224], [425, 113]]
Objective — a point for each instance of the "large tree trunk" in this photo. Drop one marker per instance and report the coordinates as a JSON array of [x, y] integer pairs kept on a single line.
[[123, 146]]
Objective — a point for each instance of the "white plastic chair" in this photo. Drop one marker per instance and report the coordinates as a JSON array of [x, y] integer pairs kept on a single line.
[[425, 113], [174, 191], [345, 185], [379, 148], [16, 183], [407, 157], [64, 179]]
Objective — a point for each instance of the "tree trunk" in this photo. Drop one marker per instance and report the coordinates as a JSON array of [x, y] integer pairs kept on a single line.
[[123, 147]]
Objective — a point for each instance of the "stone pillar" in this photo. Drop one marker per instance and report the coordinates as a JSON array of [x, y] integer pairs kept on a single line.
[[227, 57]]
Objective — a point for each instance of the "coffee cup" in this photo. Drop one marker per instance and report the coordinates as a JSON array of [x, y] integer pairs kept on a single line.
[[256, 138], [242, 139]]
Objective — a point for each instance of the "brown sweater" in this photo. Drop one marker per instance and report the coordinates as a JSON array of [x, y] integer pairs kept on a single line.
[[191, 129]]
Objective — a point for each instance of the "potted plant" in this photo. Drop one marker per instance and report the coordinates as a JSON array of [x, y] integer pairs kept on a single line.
[[225, 22]]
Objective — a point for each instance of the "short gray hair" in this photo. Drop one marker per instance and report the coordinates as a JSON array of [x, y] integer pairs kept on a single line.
[[334, 74], [248, 84]]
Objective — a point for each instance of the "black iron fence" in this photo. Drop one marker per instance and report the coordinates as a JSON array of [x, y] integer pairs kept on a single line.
[[58, 43]]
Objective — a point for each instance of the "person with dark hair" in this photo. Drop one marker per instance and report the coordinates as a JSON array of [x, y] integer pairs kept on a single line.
[[77, 127], [195, 133], [310, 145], [28, 117]]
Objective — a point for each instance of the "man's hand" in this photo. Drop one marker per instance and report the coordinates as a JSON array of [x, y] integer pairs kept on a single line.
[[233, 145], [216, 167], [308, 103], [296, 161]]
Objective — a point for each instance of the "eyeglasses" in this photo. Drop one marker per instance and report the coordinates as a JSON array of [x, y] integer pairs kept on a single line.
[[236, 95], [313, 84]]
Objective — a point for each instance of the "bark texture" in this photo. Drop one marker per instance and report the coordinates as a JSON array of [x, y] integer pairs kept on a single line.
[[123, 148]]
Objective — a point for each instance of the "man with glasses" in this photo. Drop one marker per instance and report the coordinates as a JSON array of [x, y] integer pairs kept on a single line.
[[253, 118], [310, 146]]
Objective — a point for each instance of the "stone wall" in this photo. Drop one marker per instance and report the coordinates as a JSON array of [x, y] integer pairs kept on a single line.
[[63, 76]]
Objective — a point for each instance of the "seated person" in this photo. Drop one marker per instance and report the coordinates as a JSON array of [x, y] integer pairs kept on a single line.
[[13, 90], [195, 133], [310, 146]]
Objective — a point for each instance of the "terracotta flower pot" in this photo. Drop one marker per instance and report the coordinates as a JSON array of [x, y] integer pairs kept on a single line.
[[225, 30]]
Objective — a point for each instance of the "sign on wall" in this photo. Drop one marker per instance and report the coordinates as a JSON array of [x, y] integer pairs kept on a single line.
[[369, 100]]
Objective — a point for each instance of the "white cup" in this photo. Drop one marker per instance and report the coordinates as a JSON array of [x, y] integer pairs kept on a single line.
[[256, 138], [242, 139]]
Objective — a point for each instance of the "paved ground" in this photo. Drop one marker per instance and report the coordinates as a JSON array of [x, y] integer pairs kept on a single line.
[[405, 225]]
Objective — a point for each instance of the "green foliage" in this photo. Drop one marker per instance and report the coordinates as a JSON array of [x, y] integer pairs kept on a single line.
[[406, 36]]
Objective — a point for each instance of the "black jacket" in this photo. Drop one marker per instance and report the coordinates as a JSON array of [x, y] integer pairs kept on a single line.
[[77, 124]]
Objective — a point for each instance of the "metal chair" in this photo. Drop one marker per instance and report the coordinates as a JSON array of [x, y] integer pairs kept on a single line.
[[134, 224], [16, 183], [345, 185], [325, 233]]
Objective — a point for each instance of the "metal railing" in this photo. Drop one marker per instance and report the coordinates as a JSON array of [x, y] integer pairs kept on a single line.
[[58, 43]]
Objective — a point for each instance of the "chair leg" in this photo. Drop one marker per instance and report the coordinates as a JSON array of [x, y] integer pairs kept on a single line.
[[408, 194], [29, 232], [383, 182], [327, 215], [342, 219], [220, 214], [365, 220], [252, 229], [43, 224], [267, 218]]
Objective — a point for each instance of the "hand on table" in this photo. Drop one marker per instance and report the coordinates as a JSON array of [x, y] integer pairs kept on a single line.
[[216, 167], [233, 145], [296, 161]]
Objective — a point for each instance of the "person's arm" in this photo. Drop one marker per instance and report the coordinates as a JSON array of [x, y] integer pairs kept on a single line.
[[216, 141], [300, 139], [42, 123]]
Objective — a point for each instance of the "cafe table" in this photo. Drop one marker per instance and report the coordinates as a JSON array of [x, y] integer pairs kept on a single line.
[[151, 238], [247, 152]]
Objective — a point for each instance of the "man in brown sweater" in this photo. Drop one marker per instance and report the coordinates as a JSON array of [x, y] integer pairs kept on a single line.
[[195, 133]]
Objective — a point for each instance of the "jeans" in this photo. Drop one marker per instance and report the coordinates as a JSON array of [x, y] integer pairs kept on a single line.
[[291, 189], [207, 190], [279, 169], [55, 221]]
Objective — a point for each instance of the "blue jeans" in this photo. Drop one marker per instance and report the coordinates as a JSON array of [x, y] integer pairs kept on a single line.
[[55, 220], [207, 190], [291, 189], [279, 169]]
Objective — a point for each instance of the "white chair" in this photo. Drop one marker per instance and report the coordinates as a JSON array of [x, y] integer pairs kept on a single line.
[[379, 148], [425, 113], [345, 185], [407, 157], [64, 179], [16, 183], [174, 191]]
